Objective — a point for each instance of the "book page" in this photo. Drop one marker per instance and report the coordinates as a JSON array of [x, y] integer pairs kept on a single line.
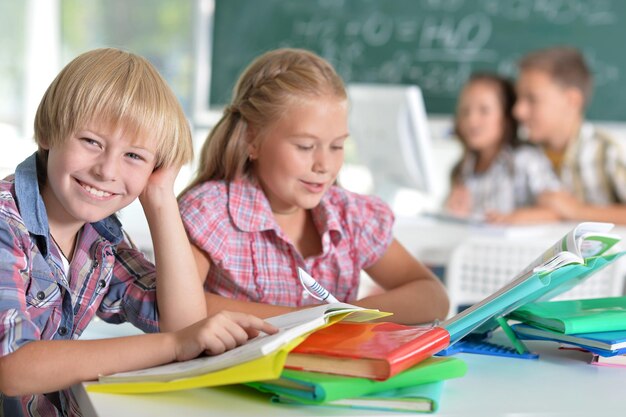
[[577, 245]]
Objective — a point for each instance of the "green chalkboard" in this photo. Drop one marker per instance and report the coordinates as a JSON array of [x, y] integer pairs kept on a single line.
[[435, 44]]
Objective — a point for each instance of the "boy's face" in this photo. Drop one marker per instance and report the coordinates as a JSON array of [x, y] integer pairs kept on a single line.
[[548, 111], [95, 173], [299, 156]]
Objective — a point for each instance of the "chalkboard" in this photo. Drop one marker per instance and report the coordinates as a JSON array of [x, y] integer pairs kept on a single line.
[[435, 44]]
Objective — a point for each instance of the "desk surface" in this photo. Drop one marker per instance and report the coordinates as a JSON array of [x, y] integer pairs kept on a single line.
[[559, 383]]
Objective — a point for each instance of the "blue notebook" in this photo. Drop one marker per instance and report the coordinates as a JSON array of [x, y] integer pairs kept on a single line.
[[602, 343]]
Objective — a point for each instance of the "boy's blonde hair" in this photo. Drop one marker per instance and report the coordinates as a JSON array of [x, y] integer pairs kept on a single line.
[[271, 84], [566, 65], [117, 89]]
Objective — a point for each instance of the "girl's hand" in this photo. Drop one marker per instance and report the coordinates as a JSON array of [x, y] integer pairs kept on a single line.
[[218, 333], [459, 201]]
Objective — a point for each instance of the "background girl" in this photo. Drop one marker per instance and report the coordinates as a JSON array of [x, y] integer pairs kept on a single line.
[[498, 178], [264, 202]]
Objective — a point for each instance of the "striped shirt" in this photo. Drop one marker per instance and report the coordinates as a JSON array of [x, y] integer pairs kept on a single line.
[[594, 167], [251, 257], [515, 179], [39, 301]]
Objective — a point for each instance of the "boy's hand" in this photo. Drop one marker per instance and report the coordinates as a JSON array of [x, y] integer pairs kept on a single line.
[[496, 217], [218, 333], [562, 202], [160, 183]]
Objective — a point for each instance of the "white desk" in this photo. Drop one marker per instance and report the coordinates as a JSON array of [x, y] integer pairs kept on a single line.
[[559, 383], [432, 241]]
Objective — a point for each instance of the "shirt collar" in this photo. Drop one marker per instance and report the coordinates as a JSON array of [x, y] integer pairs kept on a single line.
[[33, 210], [29, 201], [503, 157], [251, 212], [585, 134], [249, 208]]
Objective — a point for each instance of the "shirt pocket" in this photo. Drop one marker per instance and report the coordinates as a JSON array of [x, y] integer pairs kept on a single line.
[[43, 293]]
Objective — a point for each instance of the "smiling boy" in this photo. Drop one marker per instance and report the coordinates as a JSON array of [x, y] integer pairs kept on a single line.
[[109, 130]]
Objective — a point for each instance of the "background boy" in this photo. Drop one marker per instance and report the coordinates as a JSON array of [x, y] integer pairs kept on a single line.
[[553, 88]]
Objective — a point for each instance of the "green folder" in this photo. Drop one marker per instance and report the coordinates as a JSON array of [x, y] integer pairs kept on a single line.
[[576, 316], [423, 398], [315, 388]]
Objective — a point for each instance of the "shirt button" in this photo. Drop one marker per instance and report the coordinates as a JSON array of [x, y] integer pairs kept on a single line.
[[62, 330], [305, 295], [102, 283], [41, 295], [95, 264]]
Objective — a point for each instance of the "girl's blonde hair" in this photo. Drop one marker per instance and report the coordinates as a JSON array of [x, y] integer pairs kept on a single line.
[[271, 84], [114, 88]]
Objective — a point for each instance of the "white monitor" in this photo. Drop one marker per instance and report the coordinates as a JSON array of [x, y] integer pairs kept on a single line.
[[389, 126]]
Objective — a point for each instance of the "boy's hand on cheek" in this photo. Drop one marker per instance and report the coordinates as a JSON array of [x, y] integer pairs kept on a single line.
[[160, 183]]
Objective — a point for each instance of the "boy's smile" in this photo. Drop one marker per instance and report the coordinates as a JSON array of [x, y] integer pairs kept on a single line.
[[93, 174], [95, 192]]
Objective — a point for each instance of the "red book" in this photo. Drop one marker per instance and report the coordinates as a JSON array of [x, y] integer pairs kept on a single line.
[[367, 350]]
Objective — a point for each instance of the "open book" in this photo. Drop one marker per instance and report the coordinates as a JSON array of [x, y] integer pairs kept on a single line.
[[584, 241], [291, 326], [573, 258]]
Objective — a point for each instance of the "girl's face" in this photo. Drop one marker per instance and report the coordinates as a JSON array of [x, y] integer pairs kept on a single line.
[[95, 173], [297, 158], [479, 116]]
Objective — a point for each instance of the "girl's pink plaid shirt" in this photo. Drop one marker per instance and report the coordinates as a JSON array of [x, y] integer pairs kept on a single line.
[[253, 260]]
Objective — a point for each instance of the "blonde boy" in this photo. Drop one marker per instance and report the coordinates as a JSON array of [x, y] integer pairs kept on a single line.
[[553, 88], [109, 130]]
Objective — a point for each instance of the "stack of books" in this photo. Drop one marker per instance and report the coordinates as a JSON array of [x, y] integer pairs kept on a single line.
[[377, 366], [597, 325]]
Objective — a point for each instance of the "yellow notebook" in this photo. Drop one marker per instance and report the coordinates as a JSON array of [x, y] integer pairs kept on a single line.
[[260, 369]]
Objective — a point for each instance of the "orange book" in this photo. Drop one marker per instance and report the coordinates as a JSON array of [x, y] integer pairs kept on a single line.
[[367, 350]]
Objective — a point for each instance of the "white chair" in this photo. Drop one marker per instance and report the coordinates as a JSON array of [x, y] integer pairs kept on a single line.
[[479, 266]]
